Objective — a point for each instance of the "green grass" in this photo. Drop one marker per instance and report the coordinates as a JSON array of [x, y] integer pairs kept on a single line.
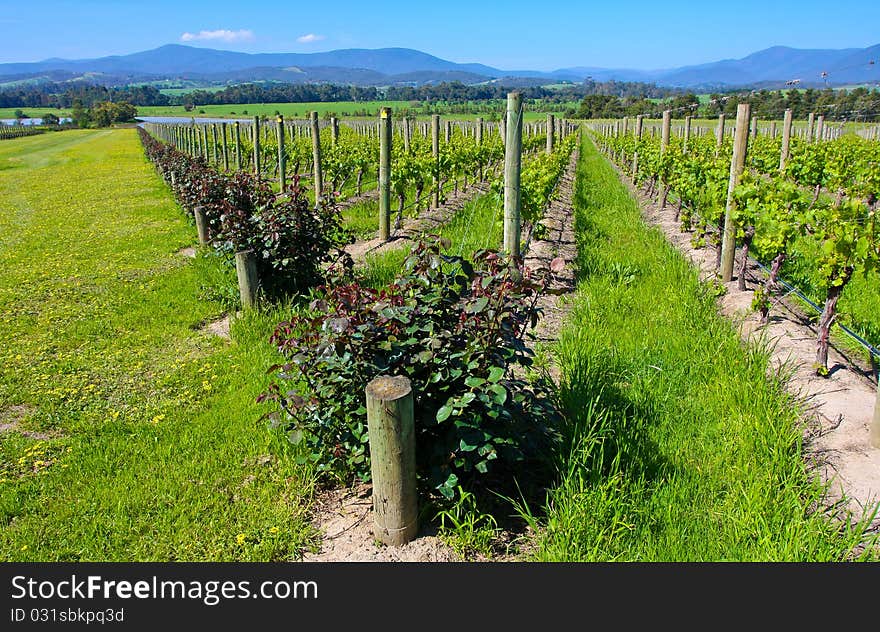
[[679, 446], [136, 435]]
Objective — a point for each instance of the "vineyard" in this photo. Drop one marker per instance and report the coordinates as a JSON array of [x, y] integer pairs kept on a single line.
[[806, 210], [467, 323]]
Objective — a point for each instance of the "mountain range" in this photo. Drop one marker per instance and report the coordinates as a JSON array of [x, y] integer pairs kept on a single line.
[[771, 67]]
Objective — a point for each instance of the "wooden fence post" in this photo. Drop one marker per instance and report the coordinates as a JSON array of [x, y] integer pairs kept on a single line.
[[225, 148], [316, 157], [786, 139], [551, 128], [214, 144], [638, 137], [512, 167], [248, 281], [282, 156], [737, 165], [201, 225], [391, 427], [719, 133], [385, 131], [687, 134], [810, 120], [820, 128], [334, 129], [237, 146], [435, 152], [664, 144], [257, 145]]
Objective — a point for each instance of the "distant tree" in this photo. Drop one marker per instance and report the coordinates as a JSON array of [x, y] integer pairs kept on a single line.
[[81, 116], [20, 114], [50, 119]]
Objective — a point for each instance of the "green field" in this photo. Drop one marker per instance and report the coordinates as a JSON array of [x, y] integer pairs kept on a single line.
[[288, 110], [129, 433]]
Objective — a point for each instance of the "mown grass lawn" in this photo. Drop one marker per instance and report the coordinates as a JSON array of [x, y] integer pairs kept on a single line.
[[128, 433]]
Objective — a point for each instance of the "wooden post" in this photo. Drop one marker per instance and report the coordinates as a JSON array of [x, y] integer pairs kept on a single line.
[[820, 128], [551, 128], [810, 120], [512, 167], [737, 165], [479, 135], [772, 129], [664, 145], [638, 135], [719, 133], [502, 128], [391, 427], [214, 144], [282, 156], [334, 129], [257, 145], [201, 225], [786, 139], [248, 281], [385, 174], [754, 128], [225, 148], [316, 157], [435, 150], [687, 134], [237, 146]]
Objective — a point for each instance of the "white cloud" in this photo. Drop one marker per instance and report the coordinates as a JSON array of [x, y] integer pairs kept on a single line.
[[309, 38], [223, 35]]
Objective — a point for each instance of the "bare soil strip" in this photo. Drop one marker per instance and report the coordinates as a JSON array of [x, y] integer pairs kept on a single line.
[[837, 410], [344, 516]]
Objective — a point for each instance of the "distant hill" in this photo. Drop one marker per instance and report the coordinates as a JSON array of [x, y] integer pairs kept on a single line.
[[386, 66]]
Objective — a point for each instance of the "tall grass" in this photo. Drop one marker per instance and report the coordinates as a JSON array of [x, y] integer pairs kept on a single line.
[[679, 445]]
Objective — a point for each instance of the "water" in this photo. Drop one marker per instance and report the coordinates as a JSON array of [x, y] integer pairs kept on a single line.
[[29, 121]]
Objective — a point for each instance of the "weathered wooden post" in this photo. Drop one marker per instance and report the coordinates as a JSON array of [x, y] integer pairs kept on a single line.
[[773, 129], [664, 145], [257, 145], [754, 128], [737, 165], [385, 131], [201, 225], [282, 156], [687, 134], [225, 147], [479, 136], [248, 281], [719, 133], [551, 129], [214, 144], [334, 129], [638, 136], [316, 157], [237, 146], [786, 139], [810, 120], [820, 128], [435, 152], [512, 167], [391, 427]]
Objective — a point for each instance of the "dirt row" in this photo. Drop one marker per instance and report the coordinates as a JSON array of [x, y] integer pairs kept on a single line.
[[837, 410], [344, 516]]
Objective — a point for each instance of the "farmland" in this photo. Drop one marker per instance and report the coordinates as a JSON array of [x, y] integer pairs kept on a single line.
[[156, 407]]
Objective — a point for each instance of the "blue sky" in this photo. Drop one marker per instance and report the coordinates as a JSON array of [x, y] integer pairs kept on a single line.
[[510, 35]]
